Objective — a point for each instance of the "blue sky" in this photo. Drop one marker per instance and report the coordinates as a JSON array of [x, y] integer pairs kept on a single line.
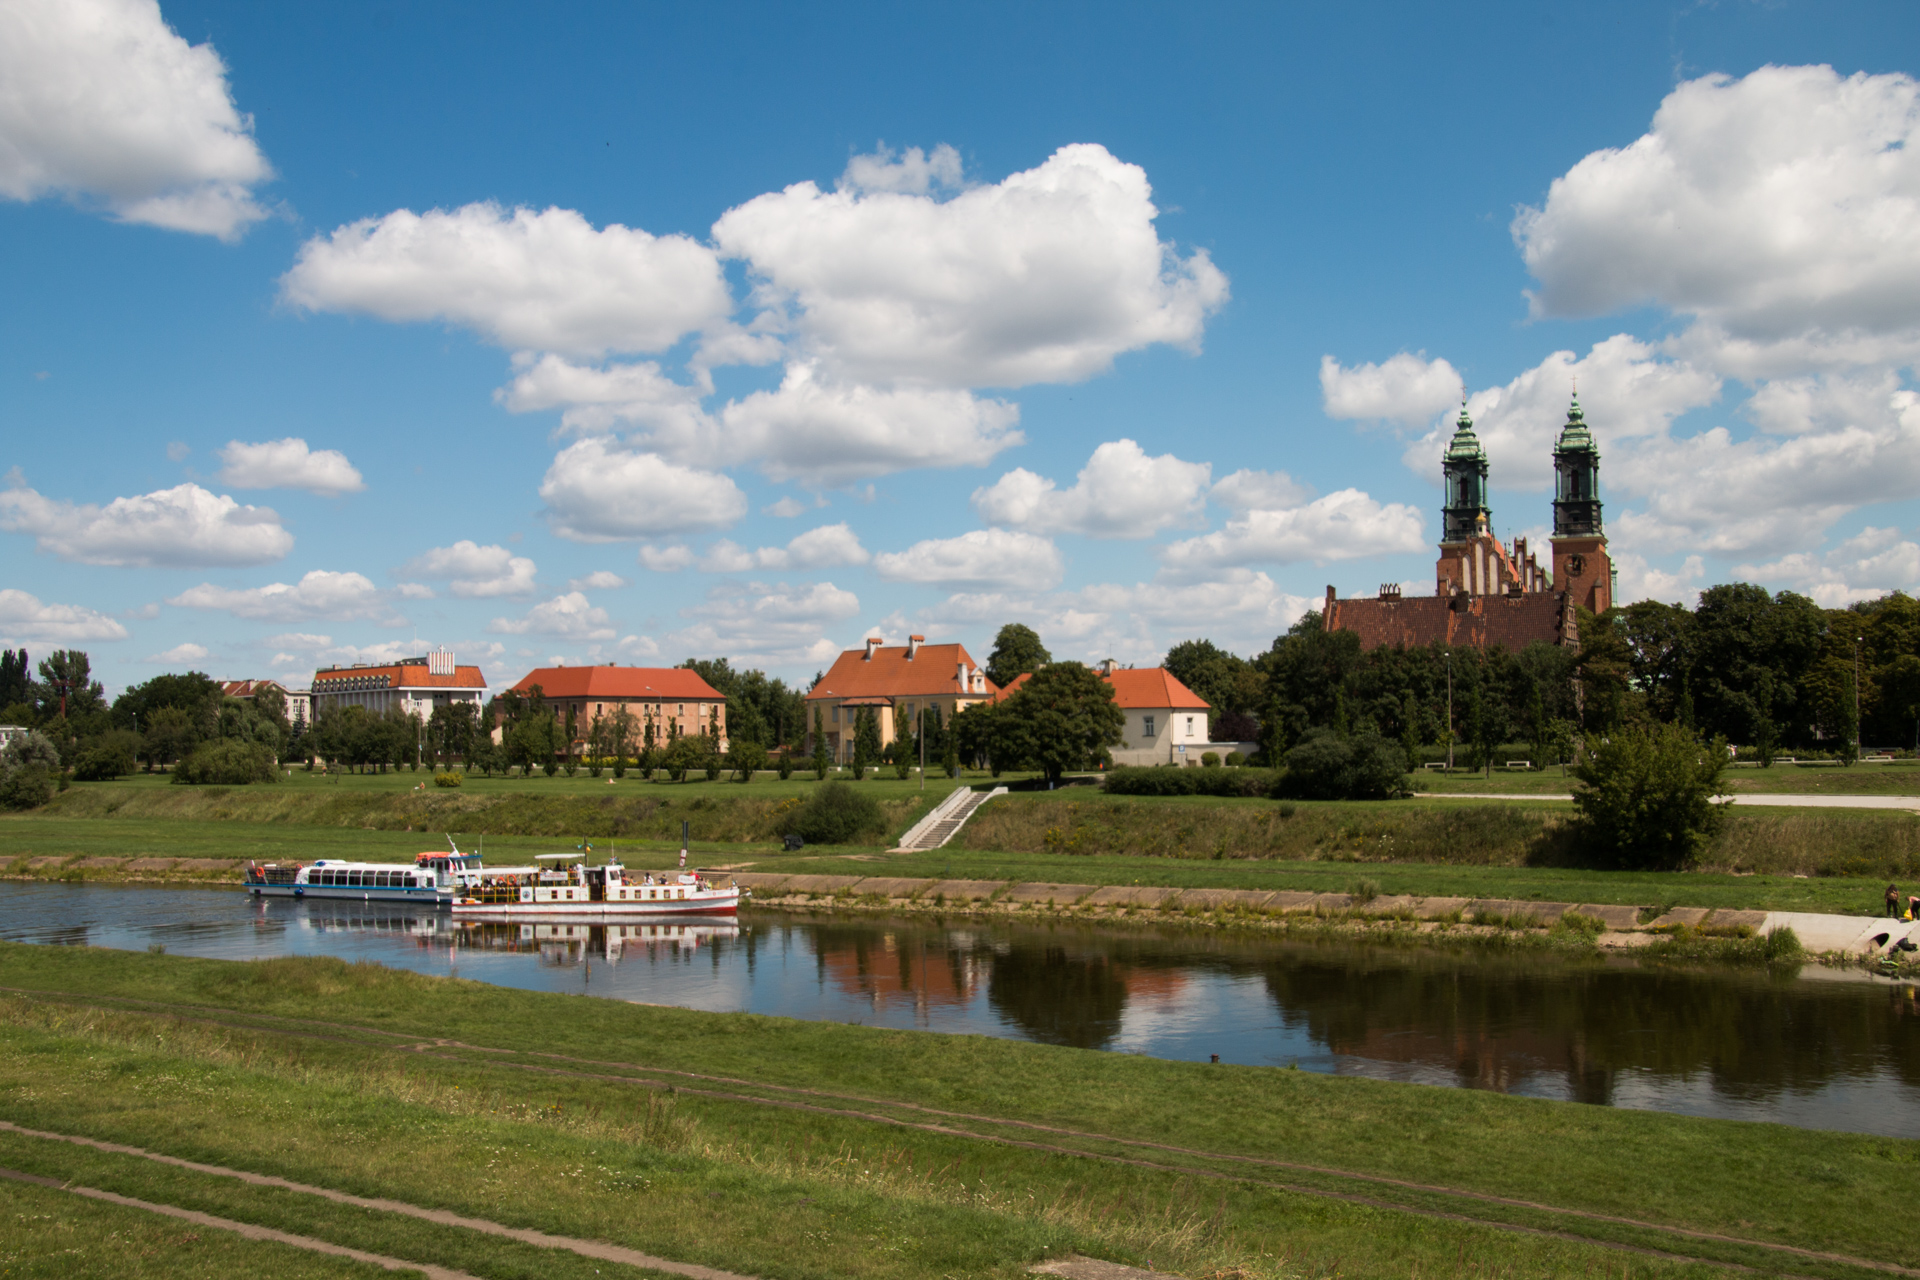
[[335, 333]]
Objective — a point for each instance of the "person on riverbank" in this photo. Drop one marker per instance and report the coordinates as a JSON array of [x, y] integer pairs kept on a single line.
[[1893, 902]]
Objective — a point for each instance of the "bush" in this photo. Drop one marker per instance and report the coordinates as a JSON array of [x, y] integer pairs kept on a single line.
[[26, 786], [1209, 759], [447, 778], [1164, 781], [1235, 759], [786, 765], [229, 762], [1646, 798], [835, 814], [1326, 766]]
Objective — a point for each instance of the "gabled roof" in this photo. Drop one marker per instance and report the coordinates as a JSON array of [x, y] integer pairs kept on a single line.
[[400, 675], [247, 688], [1149, 689], [933, 671], [1481, 622], [643, 684]]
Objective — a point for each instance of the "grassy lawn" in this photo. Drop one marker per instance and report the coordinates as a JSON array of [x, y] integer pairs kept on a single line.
[[401, 782], [1902, 778], [1538, 884], [546, 1128]]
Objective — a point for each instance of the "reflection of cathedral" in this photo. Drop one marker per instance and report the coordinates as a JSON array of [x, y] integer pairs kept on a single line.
[[1487, 593]]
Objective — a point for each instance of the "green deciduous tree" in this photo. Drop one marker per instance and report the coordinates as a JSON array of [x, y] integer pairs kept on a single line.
[[1645, 799], [822, 760], [1017, 651], [1325, 765], [1063, 718]]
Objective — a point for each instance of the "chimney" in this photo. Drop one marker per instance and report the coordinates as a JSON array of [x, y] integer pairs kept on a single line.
[[873, 642], [913, 645], [440, 662], [961, 676], [1108, 667]]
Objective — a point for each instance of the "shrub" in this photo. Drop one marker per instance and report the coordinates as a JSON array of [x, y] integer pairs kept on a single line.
[[447, 778], [228, 762], [786, 765], [1131, 780], [1209, 759], [1646, 798], [1235, 759], [1575, 924], [836, 813], [1326, 766], [26, 786]]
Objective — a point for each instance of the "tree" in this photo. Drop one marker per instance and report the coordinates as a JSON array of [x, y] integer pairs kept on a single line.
[[67, 687], [620, 739], [822, 761], [1846, 723], [168, 736], [16, 677], [744, 758], [1645, 800], [1228, 684], [1325, 765], [1409, 727], [232, 762], [28, 767], [866, 742], [1017, 651], [1063, 718]]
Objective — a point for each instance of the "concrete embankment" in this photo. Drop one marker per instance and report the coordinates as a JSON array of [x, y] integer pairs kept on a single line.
[[1625, 926]]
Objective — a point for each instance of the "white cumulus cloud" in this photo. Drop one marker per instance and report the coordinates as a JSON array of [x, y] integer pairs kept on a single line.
[[288, 464], [596, 491], [1864, 567], [184, 526], [1248, 490], [828, 547], [1780, 210], [827, 433], [598, 580], [186, 652], [616, 396], [320, 593], [978, 558], [1348, 525], [1046, 276], [472, 571], [571, 616], [1403, 389], [913, 171], [1120, 493], [24, 617], [541, 280], [767, 624], [101, 102]]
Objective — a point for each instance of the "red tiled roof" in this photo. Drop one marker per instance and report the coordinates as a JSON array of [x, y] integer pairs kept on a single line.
[[934, 670], [404, 675], [1482, 622], [1136, 689], [247, 688], [642, 683]]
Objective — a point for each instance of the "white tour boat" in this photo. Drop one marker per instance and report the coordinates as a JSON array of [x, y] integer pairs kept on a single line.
[[565, 888], [435, 879]]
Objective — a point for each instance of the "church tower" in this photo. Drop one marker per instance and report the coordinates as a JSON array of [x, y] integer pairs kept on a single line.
[[1581, 565], [1465, 467]]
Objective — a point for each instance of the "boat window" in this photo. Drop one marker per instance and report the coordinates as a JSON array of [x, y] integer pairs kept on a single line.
[[353, 879]]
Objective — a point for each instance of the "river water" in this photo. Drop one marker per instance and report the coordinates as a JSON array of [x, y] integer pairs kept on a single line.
[[1820, 1049]]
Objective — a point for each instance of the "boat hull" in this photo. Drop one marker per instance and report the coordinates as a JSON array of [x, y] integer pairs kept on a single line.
[[429, 896], [720, 904]]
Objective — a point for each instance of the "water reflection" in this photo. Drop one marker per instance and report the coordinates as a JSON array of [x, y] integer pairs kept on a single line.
[[1821, 1049]]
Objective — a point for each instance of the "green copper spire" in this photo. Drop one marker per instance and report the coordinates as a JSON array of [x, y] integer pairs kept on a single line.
[[1465, 467], [1576, 466]]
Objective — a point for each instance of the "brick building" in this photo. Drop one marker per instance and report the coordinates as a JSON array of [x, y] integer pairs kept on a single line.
[[669, 696], [896, 684], [1486, 593]]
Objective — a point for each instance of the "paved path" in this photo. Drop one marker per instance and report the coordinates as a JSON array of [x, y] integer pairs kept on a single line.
[[1776, 801]]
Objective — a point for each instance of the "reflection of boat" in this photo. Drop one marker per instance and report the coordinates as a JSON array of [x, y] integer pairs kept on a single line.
[[435, 878], [558, 891], [563, 942]]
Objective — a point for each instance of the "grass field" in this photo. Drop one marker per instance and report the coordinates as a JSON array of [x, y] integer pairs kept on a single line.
[[804, 1149], [1900, 778]]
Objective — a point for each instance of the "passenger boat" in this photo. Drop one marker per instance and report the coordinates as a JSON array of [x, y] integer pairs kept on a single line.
[[565, 888], [436, 878]]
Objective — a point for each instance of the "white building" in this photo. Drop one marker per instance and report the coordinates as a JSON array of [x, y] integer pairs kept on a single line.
[[414, 685], [1166, 721]]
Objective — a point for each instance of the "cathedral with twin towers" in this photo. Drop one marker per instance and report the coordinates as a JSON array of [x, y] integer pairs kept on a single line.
[[1485, 592]]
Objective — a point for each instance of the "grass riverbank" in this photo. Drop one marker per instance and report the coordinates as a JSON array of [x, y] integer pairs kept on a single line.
[[264, 1066]]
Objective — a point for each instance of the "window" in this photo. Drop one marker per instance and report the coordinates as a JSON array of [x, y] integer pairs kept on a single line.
[[1147, 726], [1189, 726]]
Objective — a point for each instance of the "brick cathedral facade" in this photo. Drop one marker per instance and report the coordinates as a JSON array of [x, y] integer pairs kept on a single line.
[[1487, 593]]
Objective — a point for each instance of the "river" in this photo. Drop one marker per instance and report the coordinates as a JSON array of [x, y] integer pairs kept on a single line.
[[1819, 1049]]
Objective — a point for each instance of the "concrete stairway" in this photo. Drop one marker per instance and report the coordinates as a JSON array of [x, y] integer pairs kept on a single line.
[[945, 821]]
